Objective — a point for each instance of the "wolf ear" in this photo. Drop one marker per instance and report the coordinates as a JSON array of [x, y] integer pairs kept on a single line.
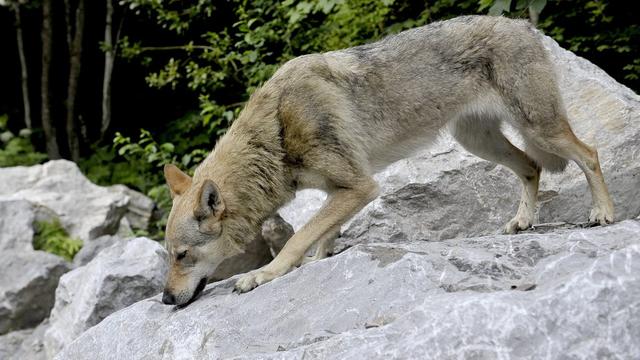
[[209, 201], [178, 181]]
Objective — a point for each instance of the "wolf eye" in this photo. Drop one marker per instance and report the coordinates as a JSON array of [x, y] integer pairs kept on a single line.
[[181, 255]]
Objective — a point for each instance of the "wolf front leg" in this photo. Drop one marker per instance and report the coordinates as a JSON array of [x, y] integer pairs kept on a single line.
[[340, 205]]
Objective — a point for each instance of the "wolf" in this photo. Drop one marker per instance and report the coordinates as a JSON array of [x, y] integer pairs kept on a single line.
[[331, 120]]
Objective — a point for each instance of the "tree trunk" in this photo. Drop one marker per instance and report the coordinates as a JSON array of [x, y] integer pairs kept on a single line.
[[47, 126], [75, 53], [23, 69], [67, 22], [109, 56]]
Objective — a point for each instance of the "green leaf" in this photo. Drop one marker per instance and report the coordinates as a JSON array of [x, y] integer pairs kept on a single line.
[[167, 147], [538, 5], [499, 7]]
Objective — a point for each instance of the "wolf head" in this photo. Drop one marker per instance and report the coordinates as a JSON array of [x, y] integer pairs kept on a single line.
[[196, 238]]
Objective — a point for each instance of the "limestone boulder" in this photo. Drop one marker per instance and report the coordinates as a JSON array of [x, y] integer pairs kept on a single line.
[[85, 209], [27, 286], [445, 192], [92, 248], [571, 293], [126, 272]]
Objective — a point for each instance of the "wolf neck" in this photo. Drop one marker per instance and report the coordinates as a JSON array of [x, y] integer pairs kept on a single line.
[[247, 163]]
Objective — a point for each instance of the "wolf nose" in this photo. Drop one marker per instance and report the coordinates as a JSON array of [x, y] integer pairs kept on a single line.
[[168, 298]]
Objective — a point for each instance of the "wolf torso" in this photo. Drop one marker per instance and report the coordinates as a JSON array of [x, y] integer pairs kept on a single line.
[[393, 96]]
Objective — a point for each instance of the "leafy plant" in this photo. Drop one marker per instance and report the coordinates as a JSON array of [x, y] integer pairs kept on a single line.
[[51, 237]]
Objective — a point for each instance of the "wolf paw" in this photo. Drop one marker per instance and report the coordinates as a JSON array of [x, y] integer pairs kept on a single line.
[[252, 279], [516, 224], [255, 278], [601, 216]]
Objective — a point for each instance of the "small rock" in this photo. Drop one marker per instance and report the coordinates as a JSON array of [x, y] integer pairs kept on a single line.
[[17, 223], [276, 232], [139, 209], [24, 344], [27, 286]]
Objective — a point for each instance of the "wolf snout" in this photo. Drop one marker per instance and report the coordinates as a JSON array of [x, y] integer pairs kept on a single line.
[[168, 298]]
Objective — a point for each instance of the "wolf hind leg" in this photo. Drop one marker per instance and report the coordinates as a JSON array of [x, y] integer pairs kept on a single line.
[[324, 247], [557, 138], [481, 136], [539, 114]]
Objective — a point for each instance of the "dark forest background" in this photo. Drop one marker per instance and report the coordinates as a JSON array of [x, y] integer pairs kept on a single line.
[[123, 87]]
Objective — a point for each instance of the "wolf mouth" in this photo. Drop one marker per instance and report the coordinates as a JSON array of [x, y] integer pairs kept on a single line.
[[196, 292]]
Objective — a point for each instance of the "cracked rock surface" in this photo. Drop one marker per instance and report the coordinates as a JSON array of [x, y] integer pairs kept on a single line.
[[574, 293]]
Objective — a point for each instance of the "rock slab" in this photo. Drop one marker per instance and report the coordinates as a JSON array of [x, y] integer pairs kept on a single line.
[[573, 294], [126, 272]]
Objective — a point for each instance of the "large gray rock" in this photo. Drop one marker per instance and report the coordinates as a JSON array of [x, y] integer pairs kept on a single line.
[[24, 344], [86, 210], [573, 294], [27, 286], [126, 272], [445, 192]]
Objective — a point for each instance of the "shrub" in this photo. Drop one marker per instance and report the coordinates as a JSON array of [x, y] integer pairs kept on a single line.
[[53, 238], [17, 150]]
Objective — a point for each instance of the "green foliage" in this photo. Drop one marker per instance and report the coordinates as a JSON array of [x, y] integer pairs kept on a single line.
[[499, 7], [17, 150], [51, 237], [228, 51], [151, 156], [138, 163]]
